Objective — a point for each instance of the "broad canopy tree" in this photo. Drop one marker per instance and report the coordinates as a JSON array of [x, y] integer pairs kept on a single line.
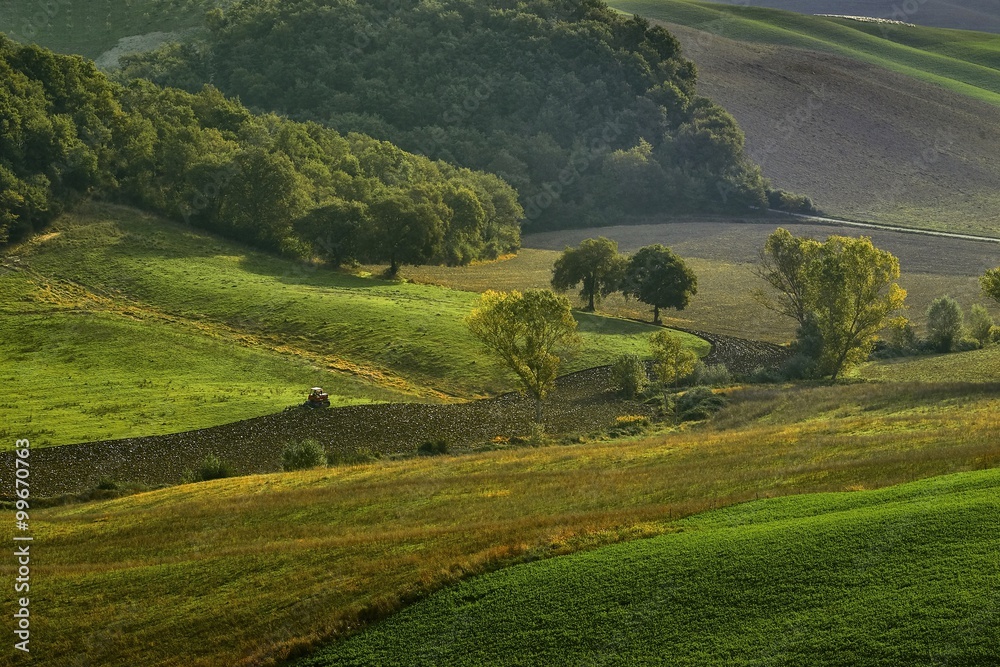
[[527, 331], [595, 265], [658, 277], [842, 293]]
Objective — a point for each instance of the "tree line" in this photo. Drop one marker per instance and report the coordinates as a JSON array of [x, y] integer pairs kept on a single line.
[[591, 115], [842, 293], [68, 132]]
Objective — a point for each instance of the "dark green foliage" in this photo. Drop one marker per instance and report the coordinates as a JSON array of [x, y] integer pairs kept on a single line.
[[298, 188], [630, 376], [945, 322], [106, 484], [595, 265], [699, 403], [588, 113], [659, 278], [303, 455], [212, 468], [433, 447], [790, 202], [980, 324]]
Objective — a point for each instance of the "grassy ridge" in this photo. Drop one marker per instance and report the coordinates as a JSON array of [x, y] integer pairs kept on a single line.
[[961, 69], [367, 339], [250, 569], [906, 575]]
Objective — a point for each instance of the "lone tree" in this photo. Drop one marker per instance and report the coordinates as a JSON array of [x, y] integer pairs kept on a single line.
[[945, 322], [527, 331], [656, 276], [841, 292], [672, 362], [596, 264]]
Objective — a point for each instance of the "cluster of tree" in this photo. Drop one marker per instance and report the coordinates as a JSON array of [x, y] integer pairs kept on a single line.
[[842, 293], [590, 114], [654, 275], [66, 131], [949, 329]]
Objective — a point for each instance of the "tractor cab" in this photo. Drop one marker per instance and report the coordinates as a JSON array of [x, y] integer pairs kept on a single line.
[[317, 398]]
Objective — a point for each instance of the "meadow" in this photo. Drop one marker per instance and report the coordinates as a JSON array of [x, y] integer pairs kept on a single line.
[[167, 297], [253, 569], [902, 576]]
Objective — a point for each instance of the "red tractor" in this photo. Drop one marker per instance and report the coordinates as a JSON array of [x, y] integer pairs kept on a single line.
[[317, 399]]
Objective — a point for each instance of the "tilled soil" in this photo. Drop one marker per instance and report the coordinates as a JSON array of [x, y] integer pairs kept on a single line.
[[582, 402]]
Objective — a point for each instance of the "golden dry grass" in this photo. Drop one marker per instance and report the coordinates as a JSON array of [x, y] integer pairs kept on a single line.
[[246, 571]]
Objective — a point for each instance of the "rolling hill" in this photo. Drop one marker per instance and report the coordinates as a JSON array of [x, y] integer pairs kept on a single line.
[[250, 570], [961, 14], [141, 326], [873, 129], [907, 575]]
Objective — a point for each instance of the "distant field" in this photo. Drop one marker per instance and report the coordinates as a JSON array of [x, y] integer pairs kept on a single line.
[[722, 255], [898, 130], [903, 576], [94, 27], [961, 14], [365, 339], [845, 37], [247, 570]]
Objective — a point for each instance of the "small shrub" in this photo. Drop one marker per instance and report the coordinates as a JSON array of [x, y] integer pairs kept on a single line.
[[944, 323], [303, 455], [980, 325], [107, 484], [629, 375], [627, 425], [212, 468], [711, 375], [433, 447], [698, 404]]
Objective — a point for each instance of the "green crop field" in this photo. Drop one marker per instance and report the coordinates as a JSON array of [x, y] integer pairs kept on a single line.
[[252, 569], [904, 576], [118, 324], [957, 60]]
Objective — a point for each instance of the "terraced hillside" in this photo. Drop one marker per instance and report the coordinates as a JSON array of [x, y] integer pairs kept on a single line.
[[873, 129]]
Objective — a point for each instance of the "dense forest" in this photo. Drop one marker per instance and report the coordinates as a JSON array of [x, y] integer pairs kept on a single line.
[[67, 132], [590, 114]]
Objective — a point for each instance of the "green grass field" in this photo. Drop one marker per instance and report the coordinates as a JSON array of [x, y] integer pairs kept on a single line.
[[958, 60], [250, 570], [902, 576], [119, 324]]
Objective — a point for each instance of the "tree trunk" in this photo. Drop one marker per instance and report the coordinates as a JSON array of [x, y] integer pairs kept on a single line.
[[656, 315], [393, 266], [538, 410]]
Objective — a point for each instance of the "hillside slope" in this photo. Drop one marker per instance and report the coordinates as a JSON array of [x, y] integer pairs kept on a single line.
[[85, 306], [865, 142], [904, 576], [960, 14], [247, 570]]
